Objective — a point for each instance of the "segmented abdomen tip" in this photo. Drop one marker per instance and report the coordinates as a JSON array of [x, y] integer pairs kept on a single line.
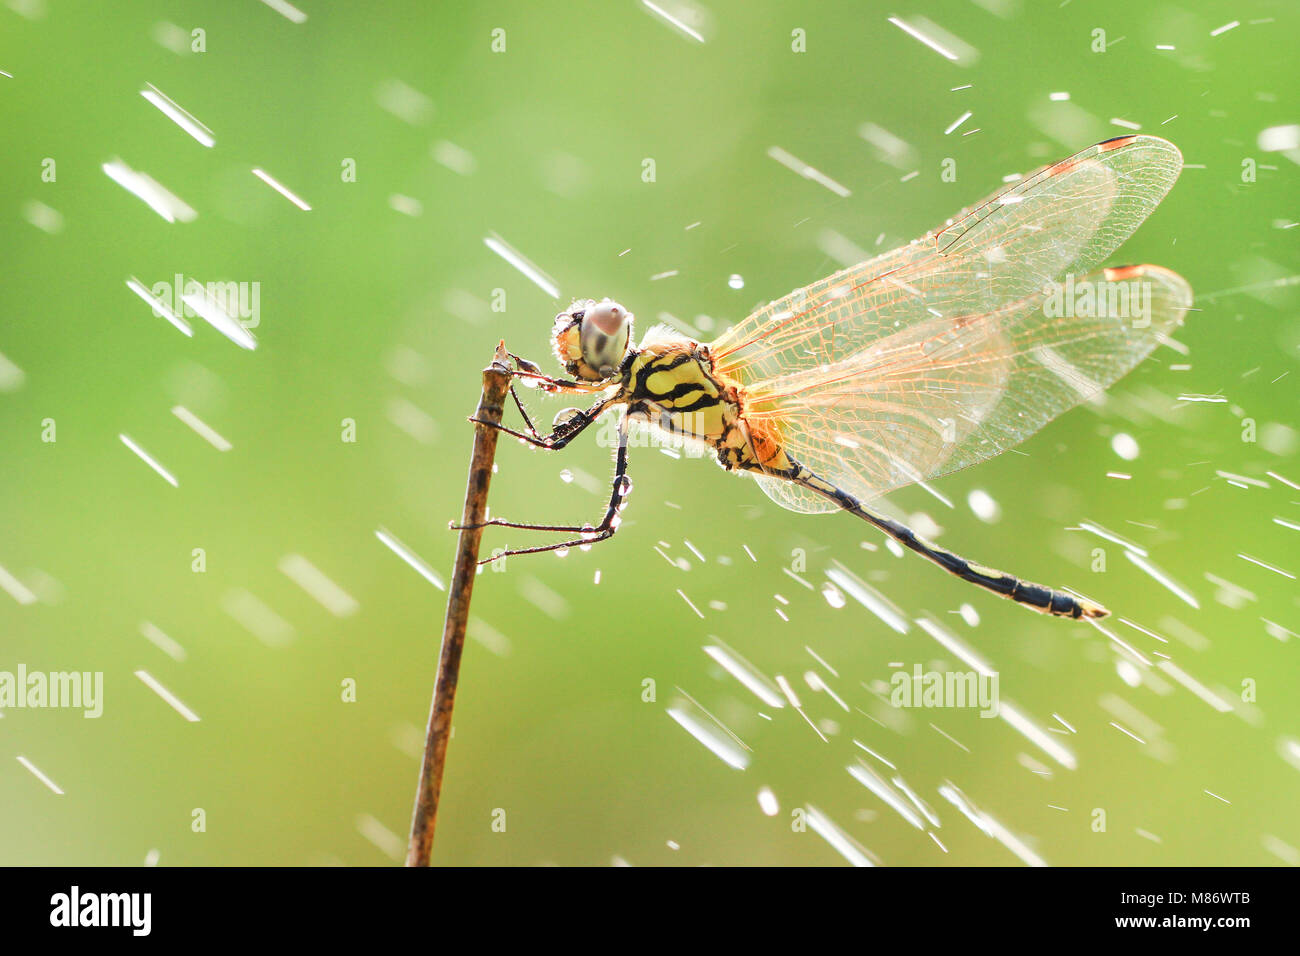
[[1093, 611]]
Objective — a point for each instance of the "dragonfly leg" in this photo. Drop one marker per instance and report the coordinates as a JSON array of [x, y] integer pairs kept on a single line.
[[562, 435], [1035, 596], [590, 534], [533, 373], [523, 413], [530, 370]]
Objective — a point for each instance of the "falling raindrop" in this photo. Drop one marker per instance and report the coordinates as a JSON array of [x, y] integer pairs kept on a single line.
[[1125, 446], [985, 508], [833, 595]]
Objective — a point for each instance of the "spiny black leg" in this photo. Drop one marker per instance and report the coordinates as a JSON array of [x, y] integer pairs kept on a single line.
[[617, 496], [544, 381], [524, 413], [524, 368], [565, 433], [582, 418], [539, 442], [502, 523], [601, 532], [603, 536]]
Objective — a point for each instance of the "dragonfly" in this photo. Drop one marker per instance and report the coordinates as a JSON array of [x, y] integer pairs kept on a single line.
[[924, 360]]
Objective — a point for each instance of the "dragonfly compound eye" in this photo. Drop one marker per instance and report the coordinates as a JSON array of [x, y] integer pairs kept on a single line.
[[605, 331]]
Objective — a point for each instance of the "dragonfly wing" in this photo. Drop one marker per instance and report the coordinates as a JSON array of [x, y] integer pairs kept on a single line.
[[1057, 362], [922, 360], [939, 395], [794, 497], [1066, 218]]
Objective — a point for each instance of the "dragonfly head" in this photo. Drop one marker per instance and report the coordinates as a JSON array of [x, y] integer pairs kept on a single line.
[[592, 338]]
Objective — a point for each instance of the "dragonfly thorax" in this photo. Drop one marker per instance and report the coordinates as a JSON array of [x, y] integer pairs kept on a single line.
[[591, 339]]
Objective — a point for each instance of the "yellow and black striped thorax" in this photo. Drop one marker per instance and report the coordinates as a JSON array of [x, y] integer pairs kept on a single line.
[[672, 385]]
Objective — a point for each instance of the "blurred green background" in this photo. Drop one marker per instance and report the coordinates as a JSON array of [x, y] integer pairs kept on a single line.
[[377, 307]]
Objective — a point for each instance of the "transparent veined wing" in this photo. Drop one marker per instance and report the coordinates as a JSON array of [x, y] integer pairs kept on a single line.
[[1066, 217], [927, 352], [941, 396]]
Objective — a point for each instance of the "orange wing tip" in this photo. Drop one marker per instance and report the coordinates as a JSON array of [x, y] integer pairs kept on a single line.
[[1115, 142], [1119, 273], [1145, 270], [1122, 273], [1105, 146]]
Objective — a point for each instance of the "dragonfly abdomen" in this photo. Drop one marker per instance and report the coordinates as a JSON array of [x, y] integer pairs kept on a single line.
[[1036, 596]]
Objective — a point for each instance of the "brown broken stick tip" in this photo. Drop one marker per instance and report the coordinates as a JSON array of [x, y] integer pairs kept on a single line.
[[496, 384]]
